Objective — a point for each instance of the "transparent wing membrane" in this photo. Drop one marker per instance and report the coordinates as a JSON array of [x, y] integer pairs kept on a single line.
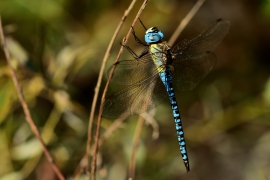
[[192, 60], [188, 73], [135, 99], [206, 41], [128, 72]]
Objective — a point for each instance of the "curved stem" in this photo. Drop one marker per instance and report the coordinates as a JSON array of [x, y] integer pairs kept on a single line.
[[26, 110], [185, 21], [93, 166], [135, 144], [106, 56]]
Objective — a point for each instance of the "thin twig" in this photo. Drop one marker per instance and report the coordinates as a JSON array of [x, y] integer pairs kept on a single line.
[[106, 56], [47, 132], [150, 120], [102, 139], [135, 143], [27, 113], [185, 21], [93, 169], [110, 130]]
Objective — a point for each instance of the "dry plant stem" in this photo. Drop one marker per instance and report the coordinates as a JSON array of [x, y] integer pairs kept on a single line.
[[149, 119], [185, 21], [106, 56], [102, 139], [135, 144], [110, 130], [27, 113], [93, 166]]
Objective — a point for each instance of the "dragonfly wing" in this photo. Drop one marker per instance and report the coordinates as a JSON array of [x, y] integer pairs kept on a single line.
[[193, 59], [135, 99], [188, 73], [206, 41], [128, 72]]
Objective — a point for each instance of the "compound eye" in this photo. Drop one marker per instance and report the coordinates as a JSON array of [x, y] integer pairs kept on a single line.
[[154, 29]]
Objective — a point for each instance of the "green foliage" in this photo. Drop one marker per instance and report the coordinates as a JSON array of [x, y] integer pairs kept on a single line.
[[57, 48]]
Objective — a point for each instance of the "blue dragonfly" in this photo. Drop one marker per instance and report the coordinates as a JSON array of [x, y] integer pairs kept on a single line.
[[151, 76]]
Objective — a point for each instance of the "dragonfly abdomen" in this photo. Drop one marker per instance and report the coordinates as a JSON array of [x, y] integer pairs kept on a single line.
[[166, 78], [161, 55]]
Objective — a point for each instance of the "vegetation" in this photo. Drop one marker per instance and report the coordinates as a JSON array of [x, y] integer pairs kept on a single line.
[[57, 49]]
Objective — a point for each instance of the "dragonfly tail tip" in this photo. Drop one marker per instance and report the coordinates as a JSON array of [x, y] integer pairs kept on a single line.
[[187, 167]]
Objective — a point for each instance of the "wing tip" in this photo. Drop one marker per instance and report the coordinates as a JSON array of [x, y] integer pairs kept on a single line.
[[221, 20]]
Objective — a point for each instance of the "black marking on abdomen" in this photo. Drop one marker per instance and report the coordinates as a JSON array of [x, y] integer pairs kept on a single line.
[[177, 118]]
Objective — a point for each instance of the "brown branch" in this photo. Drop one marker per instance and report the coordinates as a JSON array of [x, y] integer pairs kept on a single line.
[[93, 169], [106, 56], [27, 113], [150, 120], [135, 144], [102, 139], [110, 130], [185, 21]]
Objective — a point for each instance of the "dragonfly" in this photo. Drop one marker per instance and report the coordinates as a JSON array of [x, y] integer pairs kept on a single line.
[[151, 77]]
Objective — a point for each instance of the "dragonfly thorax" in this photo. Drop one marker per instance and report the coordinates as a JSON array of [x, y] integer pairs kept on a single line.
[[153, 35], [160, 55]]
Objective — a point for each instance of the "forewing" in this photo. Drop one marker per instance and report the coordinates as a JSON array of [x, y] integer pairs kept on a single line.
[[206, 41], [135, 99], [188, 73], [128, 72], [193, 59]]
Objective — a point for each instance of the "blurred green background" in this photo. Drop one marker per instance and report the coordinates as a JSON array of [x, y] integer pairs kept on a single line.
[[57, 47]]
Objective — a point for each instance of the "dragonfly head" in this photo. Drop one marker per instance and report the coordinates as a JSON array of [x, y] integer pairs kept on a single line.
[[153, 35]]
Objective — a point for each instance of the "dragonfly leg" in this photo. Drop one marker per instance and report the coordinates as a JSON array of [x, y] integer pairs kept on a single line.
[[145, 51], [136, 38], [130, 51]]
